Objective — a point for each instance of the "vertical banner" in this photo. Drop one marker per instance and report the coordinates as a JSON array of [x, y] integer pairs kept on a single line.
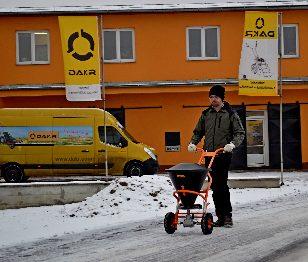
[[81, 56], [258, 72]]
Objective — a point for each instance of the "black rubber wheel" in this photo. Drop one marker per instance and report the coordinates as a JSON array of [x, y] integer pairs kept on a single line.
[[12, 173], [207, 224], [25, 178], [169, 223], [134, 169]]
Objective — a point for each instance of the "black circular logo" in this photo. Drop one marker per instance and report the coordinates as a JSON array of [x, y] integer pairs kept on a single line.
[[70, 45], [259, 22], [32, 136]]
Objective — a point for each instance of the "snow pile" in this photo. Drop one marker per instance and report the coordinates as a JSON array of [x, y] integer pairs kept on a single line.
[[137, 195]]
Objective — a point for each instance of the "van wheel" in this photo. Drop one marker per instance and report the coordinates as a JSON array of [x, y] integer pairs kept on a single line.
[[12, 173], [25, 178], [134, 169]]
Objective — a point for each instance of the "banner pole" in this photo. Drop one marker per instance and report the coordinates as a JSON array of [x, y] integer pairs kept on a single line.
[[103, 90], [281, 98]]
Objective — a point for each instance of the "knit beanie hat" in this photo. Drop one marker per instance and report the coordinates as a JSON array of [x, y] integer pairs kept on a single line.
[[218, 90]]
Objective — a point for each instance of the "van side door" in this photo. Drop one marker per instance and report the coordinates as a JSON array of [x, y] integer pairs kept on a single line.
[[39, 146], [73, 152]]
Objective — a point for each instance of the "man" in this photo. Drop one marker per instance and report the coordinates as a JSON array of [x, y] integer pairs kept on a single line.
[[221, 127]]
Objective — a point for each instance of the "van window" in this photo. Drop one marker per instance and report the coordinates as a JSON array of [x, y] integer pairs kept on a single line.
[[113, 136], [129, 136]]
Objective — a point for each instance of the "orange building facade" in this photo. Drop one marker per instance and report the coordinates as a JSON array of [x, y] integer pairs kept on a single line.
[[161, 93]]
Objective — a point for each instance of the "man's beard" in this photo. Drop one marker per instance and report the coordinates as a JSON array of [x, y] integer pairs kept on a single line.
[[217, 105]]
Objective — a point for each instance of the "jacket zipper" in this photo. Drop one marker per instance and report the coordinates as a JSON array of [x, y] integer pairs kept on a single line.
[[214, 131], [219, 121]]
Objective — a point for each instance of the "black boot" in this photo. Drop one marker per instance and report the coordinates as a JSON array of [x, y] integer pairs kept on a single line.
[[228, 222], [220, 222]]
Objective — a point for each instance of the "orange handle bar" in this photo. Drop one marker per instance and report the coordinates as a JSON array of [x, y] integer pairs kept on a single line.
[[212, 155], [208, 154]]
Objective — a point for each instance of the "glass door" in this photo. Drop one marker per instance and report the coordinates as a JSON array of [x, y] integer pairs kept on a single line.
[[257, 139]]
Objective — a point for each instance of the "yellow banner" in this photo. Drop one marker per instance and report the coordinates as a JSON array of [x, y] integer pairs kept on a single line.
[[258, 71], [81, 56]]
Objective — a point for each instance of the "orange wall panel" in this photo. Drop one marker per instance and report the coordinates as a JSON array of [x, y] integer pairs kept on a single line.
[[161, 46]]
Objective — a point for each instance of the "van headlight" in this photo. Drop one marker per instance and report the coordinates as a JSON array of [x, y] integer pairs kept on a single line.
[[150, 153]]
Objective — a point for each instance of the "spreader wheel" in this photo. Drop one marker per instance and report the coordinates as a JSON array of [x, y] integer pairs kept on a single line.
[[207, 224], [169, 225]]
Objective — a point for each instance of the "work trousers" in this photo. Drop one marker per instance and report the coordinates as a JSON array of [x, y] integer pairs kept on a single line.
[[220, 188]]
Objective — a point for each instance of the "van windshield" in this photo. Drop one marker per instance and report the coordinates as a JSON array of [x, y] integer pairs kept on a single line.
[[129, 136]]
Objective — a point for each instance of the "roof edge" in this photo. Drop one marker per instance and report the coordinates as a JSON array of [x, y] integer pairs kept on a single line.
[[142, 84], [109, 9]]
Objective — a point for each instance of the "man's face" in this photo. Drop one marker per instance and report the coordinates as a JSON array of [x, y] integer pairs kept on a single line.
[[215, 101]]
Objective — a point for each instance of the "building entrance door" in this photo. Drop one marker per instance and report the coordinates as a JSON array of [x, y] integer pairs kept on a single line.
[[257, 139]]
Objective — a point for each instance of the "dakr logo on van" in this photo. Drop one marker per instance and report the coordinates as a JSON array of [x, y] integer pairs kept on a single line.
[[43, 136]]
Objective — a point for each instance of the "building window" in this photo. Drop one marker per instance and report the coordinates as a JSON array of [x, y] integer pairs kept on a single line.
[[119, 45], [172, 141], [290, 41], [32, 47], [202, 43]]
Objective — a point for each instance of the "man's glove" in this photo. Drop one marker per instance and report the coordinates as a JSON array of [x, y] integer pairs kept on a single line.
[[229, 147], [192, 148]]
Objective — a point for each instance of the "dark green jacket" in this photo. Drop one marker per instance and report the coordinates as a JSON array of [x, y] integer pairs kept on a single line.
[[218, 128]]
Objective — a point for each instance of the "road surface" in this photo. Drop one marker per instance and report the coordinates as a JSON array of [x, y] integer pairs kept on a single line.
[[263, 231]]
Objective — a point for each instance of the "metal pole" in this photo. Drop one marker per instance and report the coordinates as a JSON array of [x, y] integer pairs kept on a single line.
[[103, 90], [280, 94]]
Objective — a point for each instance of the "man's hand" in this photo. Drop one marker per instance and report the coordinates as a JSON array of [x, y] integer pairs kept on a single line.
[[192, 148], [229, 147]]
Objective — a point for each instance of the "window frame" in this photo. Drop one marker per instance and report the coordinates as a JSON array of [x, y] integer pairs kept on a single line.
[[118, 51], [296, 39], [33, 62], [122, 138], [203, 57]]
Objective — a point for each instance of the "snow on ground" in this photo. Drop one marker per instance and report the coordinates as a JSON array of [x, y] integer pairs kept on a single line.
[[124, 200]]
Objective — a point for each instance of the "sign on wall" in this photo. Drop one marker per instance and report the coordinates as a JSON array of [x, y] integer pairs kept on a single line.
[[258, 72], [80, 48]]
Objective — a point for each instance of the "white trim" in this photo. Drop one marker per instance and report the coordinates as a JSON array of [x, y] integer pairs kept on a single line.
[[296, 39], [203, 57], [32, 34], [265, 139], [118, 53]]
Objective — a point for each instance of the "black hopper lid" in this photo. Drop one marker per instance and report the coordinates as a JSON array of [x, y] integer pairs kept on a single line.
[[188, 176], [187, 167]]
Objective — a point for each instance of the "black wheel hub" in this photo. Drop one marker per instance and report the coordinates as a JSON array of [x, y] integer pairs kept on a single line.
[[135, 171]]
